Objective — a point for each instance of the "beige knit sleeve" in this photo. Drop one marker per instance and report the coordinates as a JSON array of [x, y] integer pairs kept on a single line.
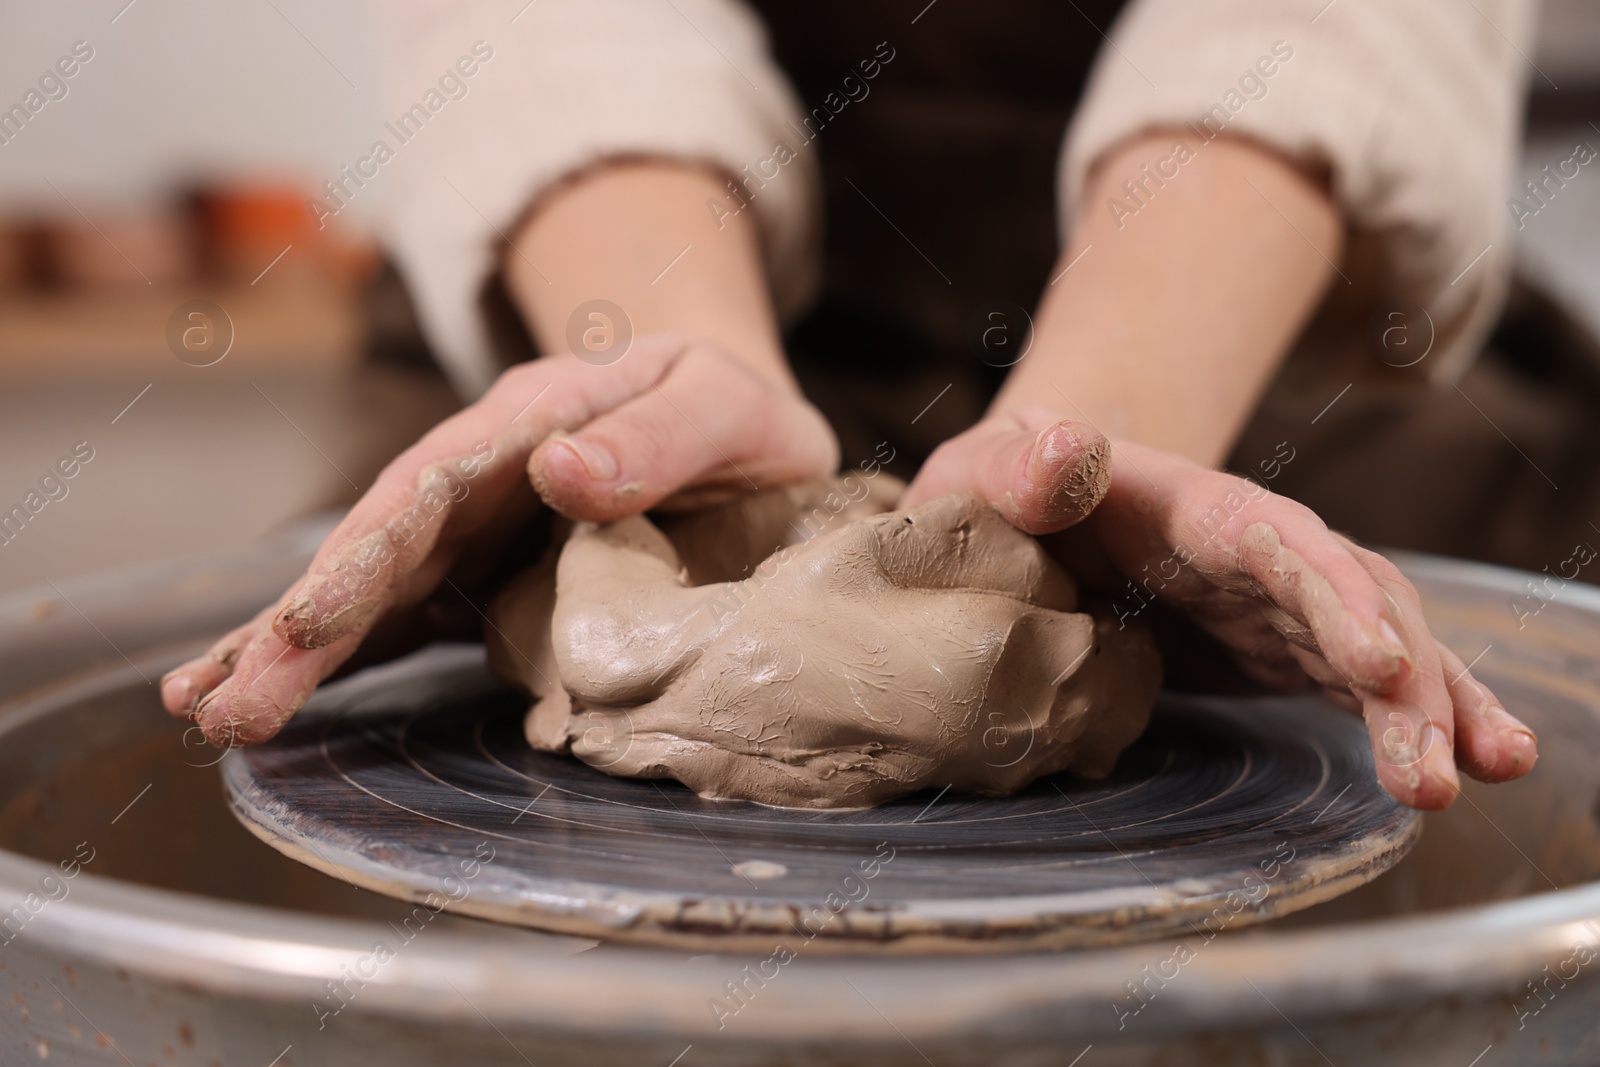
[[1414, 105], [557, 85]]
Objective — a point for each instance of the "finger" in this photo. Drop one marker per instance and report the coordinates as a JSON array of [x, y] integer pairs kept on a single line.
[[454, 478], [1305, 570], [1236, 536], [708, 422], [1491, 744], [1413, 727], [251, 682], [1043, 473], [183, 687], [270, 682], [1340, 611], [1184, 533]]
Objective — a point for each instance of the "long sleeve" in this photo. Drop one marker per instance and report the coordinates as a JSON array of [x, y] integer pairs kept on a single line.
[[555, 88], [1413, 107]]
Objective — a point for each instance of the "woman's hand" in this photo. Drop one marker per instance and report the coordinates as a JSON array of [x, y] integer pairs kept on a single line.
[[1292, 599], [675, 419]]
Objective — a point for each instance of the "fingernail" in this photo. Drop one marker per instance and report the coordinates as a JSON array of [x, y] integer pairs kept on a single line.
[[596, 459], [1503, 722], [1439, 758], [1036, 457], [178, 693], [300, 622], [1053, 445], [300, 610], [1387, 634], [1521, 748], [1392, 664], [1070, 470]]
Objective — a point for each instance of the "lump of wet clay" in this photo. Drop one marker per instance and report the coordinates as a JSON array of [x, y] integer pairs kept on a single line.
[[808, 647]]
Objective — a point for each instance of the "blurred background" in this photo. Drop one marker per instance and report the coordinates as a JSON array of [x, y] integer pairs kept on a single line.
[[169, 303]]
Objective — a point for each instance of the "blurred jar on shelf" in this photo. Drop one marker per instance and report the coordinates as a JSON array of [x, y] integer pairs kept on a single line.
[[119, 247], [254, 231], [14, 256]]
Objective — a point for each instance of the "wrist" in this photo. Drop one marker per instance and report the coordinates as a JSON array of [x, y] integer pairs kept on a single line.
[[637, 235], [1164, 326]]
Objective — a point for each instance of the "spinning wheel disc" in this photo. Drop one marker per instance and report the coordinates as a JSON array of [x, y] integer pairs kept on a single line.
[[414, 780]]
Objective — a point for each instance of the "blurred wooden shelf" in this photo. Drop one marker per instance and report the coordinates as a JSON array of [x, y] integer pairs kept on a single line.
[[295, 324]]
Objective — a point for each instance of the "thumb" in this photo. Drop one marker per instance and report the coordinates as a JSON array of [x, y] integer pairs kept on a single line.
[[1042, 472]]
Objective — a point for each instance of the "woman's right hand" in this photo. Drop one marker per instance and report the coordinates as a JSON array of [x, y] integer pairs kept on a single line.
[[675, 418]]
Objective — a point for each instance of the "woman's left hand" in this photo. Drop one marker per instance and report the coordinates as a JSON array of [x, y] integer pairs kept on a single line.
[[1290, 598]]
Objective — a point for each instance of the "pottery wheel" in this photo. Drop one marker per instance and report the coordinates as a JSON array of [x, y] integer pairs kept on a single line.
[[414, 780]]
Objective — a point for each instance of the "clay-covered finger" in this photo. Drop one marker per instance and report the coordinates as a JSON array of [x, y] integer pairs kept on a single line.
[[709, 421], [1413, 751], [183, 687], [348, 585], [453, 479], [1330, 602], [270, 682], [1042, 472], [1492, 745], [1312, 577], [1412, 720], [1413, 726], [1232, 534]]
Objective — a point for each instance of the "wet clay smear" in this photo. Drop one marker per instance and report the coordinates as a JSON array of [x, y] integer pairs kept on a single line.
[[809, 647]]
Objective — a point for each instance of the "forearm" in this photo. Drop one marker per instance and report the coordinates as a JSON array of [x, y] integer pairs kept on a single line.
[[1170, 325], [639, 235]]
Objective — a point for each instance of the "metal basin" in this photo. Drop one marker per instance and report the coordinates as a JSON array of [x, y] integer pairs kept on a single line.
[[143, 925]]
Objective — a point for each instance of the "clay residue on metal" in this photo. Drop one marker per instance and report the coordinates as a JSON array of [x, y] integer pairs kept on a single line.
[[807, 647]]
